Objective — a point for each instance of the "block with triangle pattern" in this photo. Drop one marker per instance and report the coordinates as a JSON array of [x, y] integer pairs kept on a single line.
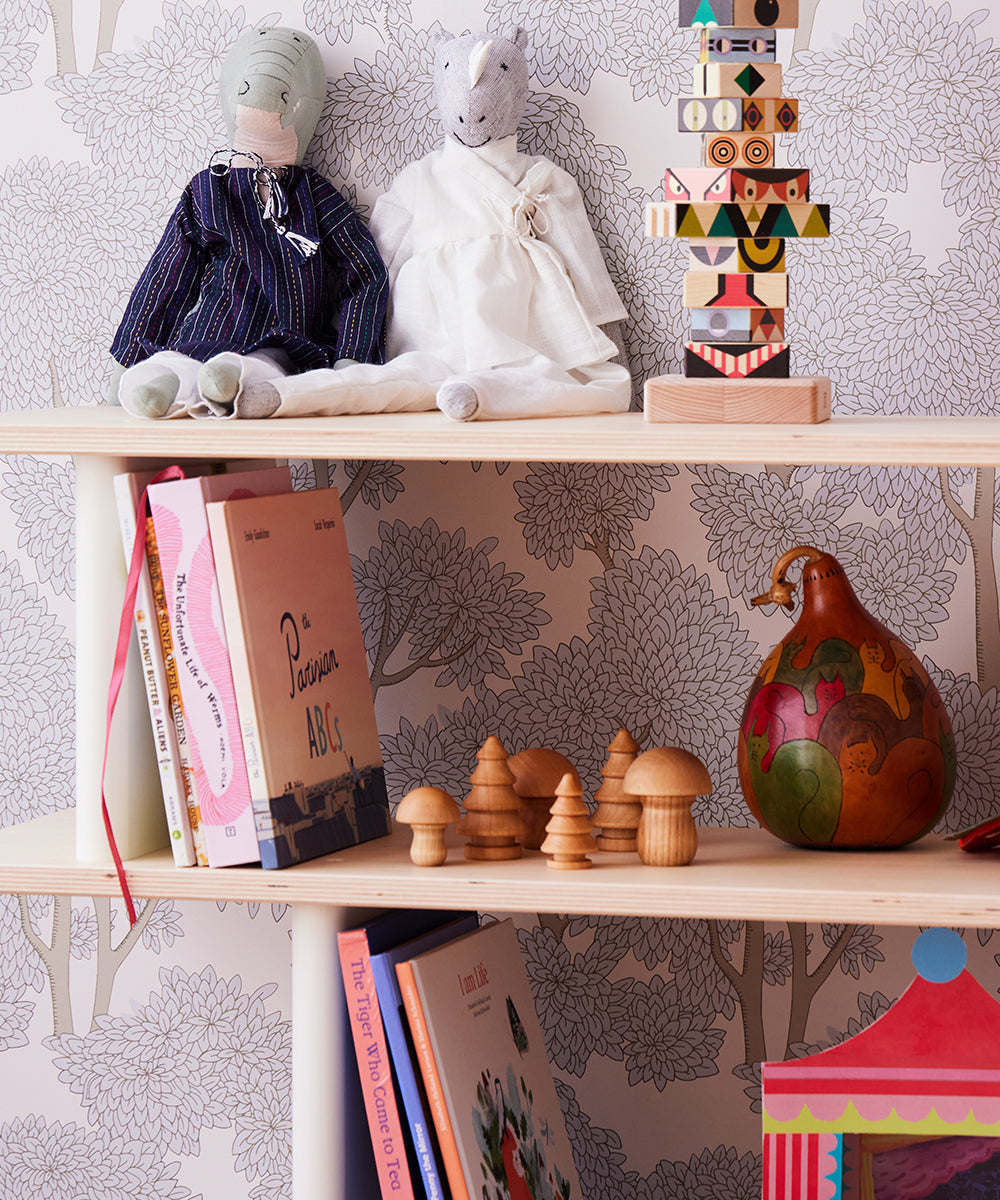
[[737, 324], [736, 360], [696, 14], [736, 79], [750, 220]]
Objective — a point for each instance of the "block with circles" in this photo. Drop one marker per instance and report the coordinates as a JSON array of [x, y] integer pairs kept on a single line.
[[737, 324], [697, 183], [736, 79], [738, 149], [707, 289], [697, 14], [708, 114], [737, 45], [736, 360], [766, 14], [769, 185]]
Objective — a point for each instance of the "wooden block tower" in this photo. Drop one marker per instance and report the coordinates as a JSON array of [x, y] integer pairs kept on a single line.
[[738, 210]]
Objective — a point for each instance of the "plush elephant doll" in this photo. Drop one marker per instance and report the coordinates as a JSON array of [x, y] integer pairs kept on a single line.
[[264, 269], [501, 304]]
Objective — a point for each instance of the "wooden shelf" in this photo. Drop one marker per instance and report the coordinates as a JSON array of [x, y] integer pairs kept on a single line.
[[624, 437], [738, 874]]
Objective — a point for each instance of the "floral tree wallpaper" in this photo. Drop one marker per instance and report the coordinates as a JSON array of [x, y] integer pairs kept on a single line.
[[546, 603]]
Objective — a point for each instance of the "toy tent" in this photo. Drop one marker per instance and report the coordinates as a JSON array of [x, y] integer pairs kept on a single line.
[[903, 1108]]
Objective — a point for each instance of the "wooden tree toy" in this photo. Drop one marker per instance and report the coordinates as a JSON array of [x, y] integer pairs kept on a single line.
[[569, 835], [492, 822], [667, 780], [537, 772], [617, 813], [428, 811]]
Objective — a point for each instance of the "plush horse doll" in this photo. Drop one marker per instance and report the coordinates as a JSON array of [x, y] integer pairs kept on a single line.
[[501, 304], [264, 269]]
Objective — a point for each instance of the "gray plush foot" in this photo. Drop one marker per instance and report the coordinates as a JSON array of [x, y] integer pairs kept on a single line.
[[258, 400], [219, 381], [154, 397], [458, 401]]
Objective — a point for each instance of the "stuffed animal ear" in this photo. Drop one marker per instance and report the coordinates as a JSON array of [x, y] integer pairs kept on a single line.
[[440, 37], [519, 37]]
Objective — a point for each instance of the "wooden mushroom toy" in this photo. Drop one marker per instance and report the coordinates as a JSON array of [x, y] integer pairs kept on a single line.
[[428, 811], [667, 779], [537, 773]]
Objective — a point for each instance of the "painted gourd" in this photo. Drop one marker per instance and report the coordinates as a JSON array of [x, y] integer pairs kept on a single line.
[[844, 741]]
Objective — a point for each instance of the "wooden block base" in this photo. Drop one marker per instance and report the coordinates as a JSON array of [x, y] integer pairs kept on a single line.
[[798, 401]]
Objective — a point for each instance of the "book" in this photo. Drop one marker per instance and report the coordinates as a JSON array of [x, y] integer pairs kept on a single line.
[[406, 1069], [488, 1078], [306, 714], [355, 948], [165, 715], [184, 547]]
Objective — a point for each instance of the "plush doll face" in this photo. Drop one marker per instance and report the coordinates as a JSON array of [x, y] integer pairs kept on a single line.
[[273, 85], [480, 86]]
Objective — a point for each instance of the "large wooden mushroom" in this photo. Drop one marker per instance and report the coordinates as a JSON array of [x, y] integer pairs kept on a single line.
[[428, 811], [537, 772], [667, 779]]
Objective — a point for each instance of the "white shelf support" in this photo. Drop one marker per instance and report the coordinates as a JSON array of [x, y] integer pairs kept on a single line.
[[132, 785], [320, 1119]]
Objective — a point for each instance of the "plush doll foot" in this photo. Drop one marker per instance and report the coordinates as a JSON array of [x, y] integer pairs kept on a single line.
[[458, 401], [258, 400], [219, 380], [153, 396]]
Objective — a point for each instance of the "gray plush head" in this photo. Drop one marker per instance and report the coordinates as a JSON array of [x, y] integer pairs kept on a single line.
[[480, 86], [273, 86]]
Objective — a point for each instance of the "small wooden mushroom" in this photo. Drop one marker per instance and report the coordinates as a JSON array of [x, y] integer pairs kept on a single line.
[[537, 772], [569, 834], [667, 779], [428, 811]]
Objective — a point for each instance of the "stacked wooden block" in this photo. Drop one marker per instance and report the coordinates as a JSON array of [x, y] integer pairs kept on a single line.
[[738, 210]]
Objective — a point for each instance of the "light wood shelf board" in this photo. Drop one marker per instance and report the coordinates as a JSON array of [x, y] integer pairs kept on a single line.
[[738, 874], [618, 437]]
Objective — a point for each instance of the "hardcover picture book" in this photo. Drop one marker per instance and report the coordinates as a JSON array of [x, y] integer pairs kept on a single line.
[[306, 713], [187, 567], [488, 1078]]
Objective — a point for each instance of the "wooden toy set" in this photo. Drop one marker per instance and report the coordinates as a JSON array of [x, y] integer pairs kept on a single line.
[[534, 801], [738, 210]]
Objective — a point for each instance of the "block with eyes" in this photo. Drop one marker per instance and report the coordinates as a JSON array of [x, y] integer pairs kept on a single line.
[[697, 184], [770, 185]]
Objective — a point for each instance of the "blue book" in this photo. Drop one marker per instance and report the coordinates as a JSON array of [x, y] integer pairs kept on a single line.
[[404, 1064]]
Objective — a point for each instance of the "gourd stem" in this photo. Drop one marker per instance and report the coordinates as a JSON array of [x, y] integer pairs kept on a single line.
[[780, 591]]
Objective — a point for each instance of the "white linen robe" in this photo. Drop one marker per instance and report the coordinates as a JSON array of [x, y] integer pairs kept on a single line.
[[496, 281]]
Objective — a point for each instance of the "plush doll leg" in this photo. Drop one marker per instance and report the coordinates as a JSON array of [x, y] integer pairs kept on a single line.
[[225, 375], [536, 388], [163, 385], [406, 384]]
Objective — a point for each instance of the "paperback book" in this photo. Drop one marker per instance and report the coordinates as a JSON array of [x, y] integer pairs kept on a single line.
[[394, 1158], [201, 655], [484, 1063], [306, 715]]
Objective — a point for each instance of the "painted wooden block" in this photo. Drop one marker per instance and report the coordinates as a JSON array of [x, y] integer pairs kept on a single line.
[[765, 14], [736, 79], [661, 219], [752, 220], [697, 184], [770, 114], [705, 289], [696, 14], [713, 254], [700, 114], [736, 360], [737, 324], [737, 45], [738, 149], [803, 400], [769, 185], [760, 255]]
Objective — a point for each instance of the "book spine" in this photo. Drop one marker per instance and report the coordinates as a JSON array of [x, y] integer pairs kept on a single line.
[[174, 695], [373, 1066], [432, 1081], [155, 678]]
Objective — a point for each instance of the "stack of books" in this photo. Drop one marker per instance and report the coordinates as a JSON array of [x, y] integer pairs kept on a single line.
[[458, 1090], [252, 652]]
